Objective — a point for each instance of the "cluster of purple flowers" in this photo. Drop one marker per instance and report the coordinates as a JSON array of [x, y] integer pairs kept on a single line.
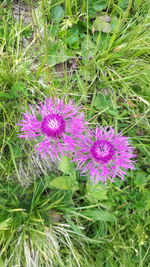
[[101, 153]]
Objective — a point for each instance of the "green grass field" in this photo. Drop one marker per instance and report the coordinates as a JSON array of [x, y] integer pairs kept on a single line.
[[96, 52]]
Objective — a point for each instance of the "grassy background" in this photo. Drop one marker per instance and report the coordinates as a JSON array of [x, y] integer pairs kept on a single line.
[[96, 52]]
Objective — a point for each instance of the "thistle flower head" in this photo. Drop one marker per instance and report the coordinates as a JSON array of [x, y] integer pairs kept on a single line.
[[60, 125], [104, 155]]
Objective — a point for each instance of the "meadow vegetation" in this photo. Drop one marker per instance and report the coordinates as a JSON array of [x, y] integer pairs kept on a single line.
[[96, 52]]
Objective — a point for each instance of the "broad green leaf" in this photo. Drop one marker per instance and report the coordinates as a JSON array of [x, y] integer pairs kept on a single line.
[[101, 25], [57, 14], [87, 72], [88, 49], [58, 55], [114, 23], [141, 178], [73, 37], [61, 182], [103, 40], [66, 165], [53, 47], [87, 44], [99, 5], [102, 102], [64, 183], [98, 24], [96, 193], [106, 18], [54, 30], [99, 215], [146, 192], [56, 59], [48, 179], [106, 27]]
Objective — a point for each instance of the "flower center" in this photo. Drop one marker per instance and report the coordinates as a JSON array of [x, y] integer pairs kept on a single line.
[[53, 125], [102, 151]]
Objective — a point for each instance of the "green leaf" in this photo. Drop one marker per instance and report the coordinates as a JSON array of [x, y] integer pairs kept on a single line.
[[48, 179], [99, 5], [105, 18], [103, 40], [98, 215], [54, 30], [57, 53], [141, 178], [114, 23], [61, 182], [96, 193], [102, 102], [17, 89], [106, 27], [64, 183], [53, 47], [58, 58], [66, 165], [88, 49], [57, 14], [73, 37], [87, 72], [100, 24]]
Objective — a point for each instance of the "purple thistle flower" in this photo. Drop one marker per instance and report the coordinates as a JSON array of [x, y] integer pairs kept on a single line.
[[104, 155], [61, 125]]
